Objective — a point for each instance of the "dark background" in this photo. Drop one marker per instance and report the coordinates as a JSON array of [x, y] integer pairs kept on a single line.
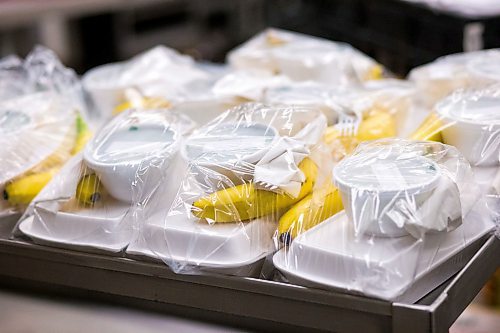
[[87, 33]]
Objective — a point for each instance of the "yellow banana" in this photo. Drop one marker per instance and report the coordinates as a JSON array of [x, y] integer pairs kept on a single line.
[[376, 72], [308, 212], [246, 202], [22, 190], [376, 125], [89, 190], [430, 129], [83, 135]]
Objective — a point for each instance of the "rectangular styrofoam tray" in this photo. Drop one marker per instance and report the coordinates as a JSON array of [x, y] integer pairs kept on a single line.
[[397, 269]]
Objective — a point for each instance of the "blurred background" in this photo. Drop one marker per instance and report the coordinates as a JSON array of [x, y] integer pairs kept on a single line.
[[399, 34]]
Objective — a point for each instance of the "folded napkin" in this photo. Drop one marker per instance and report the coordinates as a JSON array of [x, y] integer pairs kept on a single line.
[[442, 211], [278, 169]]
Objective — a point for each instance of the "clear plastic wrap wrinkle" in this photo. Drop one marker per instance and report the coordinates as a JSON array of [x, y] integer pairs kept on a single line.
[[156, 78], [410, 206], [96, 201], [470, 121], [441, 77], [42, 124], [243, 171], [304, 58]]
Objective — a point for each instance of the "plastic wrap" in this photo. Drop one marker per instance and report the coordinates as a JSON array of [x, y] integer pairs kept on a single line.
[[410, 206], [470, 121], [393, 96], [95, 201], [241, 86], [42, 124], [302, 58], [159, 77], [243, 171], [438, 79]]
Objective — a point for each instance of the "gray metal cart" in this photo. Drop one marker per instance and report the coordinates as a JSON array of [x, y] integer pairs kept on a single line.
[[243, 302]]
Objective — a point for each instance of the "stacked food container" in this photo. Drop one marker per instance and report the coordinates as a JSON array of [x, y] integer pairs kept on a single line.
[[300, 161]]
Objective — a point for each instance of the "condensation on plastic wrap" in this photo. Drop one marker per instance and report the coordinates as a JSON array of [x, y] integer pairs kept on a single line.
[[243, 171], [96, 200], [441, 77], [159, 77], [302, 58], [42, 124], [410, 206]]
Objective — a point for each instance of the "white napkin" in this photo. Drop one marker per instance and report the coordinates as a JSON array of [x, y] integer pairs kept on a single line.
[[442, 211], [278, 170]]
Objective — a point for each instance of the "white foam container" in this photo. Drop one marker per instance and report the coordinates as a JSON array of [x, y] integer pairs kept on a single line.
[[226, 248], [104, 93], [472, 124], [110, 227], [396, 269], [104, 229], [118, 172]]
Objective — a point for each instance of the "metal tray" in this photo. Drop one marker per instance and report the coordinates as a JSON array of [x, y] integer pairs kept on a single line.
[[243, 302]]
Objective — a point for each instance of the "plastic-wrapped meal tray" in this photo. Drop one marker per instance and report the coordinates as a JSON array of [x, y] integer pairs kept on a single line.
[[248, 302]]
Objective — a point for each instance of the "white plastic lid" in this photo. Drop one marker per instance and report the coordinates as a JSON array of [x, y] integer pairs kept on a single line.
[[230, 142], [132, 143], [479, 108], [387, 173]]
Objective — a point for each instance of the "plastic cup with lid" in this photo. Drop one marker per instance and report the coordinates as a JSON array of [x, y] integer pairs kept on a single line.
[[472, 124], [228, 149], [131, 150], [378, 191]]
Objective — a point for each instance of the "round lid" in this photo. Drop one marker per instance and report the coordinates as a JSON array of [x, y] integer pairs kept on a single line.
[[230, 142], [131, 143], [387, 173], [482, 109]]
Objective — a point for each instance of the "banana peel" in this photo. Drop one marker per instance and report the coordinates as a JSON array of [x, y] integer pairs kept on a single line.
[[24, 189], [309, 212], [21, 190], [83, 135], [246, 202], [430, 129]]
